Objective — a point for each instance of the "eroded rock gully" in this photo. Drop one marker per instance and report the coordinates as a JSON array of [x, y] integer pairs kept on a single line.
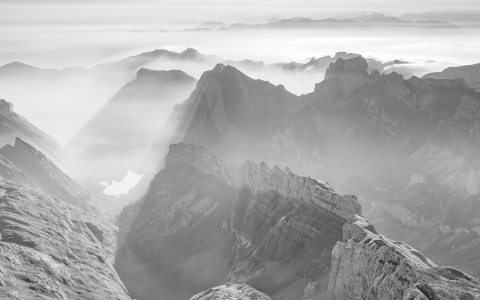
[[205, 222]]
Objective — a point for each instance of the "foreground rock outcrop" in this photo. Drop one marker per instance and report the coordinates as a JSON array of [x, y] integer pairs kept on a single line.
[[205, 222], [52, 250], [367, 265]]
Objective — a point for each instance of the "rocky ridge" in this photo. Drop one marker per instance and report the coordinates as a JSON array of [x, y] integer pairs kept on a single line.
[[231, 292], [366, 265], [260, 178], [13, 125], [50, 249], [204, 221], [364, 132], [470, 73], [37, 171]]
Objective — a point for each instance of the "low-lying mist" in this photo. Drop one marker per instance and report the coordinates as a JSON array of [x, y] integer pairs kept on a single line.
[[75, 95]]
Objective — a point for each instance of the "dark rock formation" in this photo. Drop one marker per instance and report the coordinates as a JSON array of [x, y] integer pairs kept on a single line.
[[366, 133], [204, 221], [231, 292], [471, 75], [25, 165], [12, 125], [52, 250], [367, 265]]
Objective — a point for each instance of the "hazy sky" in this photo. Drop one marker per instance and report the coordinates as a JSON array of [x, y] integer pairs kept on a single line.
[[61, 33], [157, 11]]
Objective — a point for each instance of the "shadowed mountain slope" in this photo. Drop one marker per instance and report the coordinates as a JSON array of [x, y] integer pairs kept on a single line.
[[205, 222], [32, 168], [471, 75], [368, 134], [12, 125]]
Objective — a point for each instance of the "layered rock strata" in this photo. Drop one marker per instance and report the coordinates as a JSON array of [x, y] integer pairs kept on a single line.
[[231, 292], [37, 171], [366, 265], [52, 250], [204, 222]]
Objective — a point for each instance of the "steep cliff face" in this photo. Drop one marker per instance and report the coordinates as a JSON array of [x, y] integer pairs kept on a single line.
[[366, 133], [204, 222], [471, 74], [12, 125], [342, 78], [367, 265], [36, 170], [50, 249], [440, 217], [229, 109], [353, 119]]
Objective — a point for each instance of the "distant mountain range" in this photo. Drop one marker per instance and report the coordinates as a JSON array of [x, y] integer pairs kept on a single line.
[[471, 75], [234, 202], [374, 21]]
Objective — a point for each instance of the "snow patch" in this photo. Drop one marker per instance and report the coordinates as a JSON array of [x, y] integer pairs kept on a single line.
[[122, 187]]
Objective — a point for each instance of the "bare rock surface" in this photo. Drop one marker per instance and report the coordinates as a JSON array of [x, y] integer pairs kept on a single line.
[[205, 222], [231, 292], [367, 134], [52, 250], [470, 73], [36, 170], [367, 265], [13, 125]]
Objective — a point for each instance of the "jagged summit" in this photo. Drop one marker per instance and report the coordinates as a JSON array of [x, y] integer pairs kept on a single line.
[[12, 126], [22, 146], [5, 107], [261, 178], [45, 175], [208, 220], [342, 66]]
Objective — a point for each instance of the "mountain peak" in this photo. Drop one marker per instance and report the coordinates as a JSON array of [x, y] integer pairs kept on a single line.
[[218, 68], [190, 52], [342, 66], [5, 107], [22, 146]]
